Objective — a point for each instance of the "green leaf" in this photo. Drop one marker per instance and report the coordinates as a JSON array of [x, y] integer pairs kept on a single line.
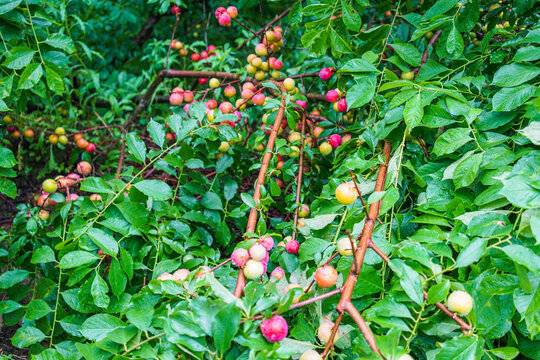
[[136, 147], [466, 170], [12, 277], [8, 5], [461, 348], [43, 254], [117, 278], [351, 18], [155, 189], [98, 326], [37, 309], [507, 353], [409, 280], [515, 74], [7, 159], [212, 201], [358, 66], [508, 99], [96, 185], [440, 7], [454, 42], [8, 188], [61, 41], [30, 76], [439, 292], [527, 53], [54, 81], [362, 92], [223, 163], [409, 53], [225, 326], [472, 253], [27, 336], [104, 241], [339, 45], [413, 112], [523, 256], [99, 291], [248, 200], [451, 140], [18, 57], [532, 131], [157, 133], [77, 258]]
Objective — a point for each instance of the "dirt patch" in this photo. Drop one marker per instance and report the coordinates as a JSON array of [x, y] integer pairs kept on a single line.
[[6, 348]]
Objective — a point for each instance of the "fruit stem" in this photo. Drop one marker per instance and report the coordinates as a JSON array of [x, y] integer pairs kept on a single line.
[[299, 179]]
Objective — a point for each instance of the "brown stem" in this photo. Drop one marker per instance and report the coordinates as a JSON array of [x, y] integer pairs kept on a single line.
[[146, 30], [220, 265], [423, 146], [172, 38], [426, 52], [360, 252], [364, 328], [252, 220], [360, 194], [299, 180]]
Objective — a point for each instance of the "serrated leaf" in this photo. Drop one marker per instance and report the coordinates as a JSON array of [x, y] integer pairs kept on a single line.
[[413, 112], [157, 133], [136, 147]]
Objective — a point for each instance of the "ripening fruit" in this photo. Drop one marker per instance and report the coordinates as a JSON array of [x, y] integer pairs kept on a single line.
[[181, 274], [165, 276], [326, 276], [334, 140], [232, 11], [342, 105], [325, 74], [332, 96], [317, 131], [229, 91], [257, 252], [253, 269], [59, 131], [62, 139], [304, 211], [405, 357], [325, 148], [294, 151], [344, 247], [188, 96], [224, 147], [53, 139], [226, 107], [428, 35], [220, 10], [460, 302], [260, 75], [292, 246], [346, 193], [261, 50], [7, 120], [213, 83], [295, 137], [82, 143], [84, 168], [277, 65], [274, 329], [224, 19], [264, 66], [345, 138], [407, 75], [388, 13], [90, 148], [95, 197], [49, 186], [289, 84], [43, 214], [278, 273], [240, 257], [325, 331], [176, 99], [28, 133], [175, 10], [311, 355], [258, 99], [267, 242]]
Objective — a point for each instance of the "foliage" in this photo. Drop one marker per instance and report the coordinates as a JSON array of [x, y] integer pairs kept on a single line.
[[460, 209]]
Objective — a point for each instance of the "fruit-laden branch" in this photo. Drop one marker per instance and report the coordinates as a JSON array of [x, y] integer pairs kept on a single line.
[[299, 177], [464, 326], [264, 28], [345, 304], [145, 99], [252, 220]]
